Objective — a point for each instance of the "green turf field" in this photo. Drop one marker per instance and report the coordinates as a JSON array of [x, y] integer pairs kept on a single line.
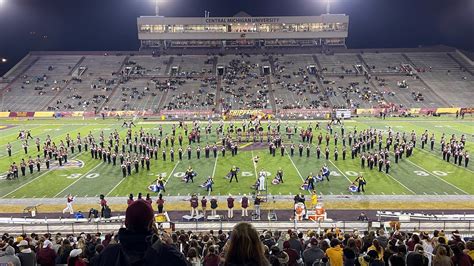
[[423, 173]]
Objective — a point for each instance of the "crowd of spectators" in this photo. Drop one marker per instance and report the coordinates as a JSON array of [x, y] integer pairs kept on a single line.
[[142, 243]]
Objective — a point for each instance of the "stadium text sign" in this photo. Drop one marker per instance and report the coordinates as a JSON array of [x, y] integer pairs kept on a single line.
[[242, 20]]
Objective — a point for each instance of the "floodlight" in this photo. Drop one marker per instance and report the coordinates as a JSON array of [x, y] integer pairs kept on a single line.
[[4, 60]]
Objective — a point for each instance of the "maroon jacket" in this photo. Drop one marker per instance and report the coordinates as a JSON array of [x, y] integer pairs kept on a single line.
[[46, 257], [230, 202]]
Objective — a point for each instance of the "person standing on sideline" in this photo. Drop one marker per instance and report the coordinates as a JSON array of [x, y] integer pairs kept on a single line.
[[256, 204], [213, 206], [204, 205], [103, 205], [244, 201], [230, 206], [194, 205], [69, 201], [160, 202]]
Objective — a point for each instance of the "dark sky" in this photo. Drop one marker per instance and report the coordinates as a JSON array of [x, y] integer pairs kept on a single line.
[[111, 24]]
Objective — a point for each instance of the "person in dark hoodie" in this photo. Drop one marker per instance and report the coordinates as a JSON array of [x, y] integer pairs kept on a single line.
[[139, 243]]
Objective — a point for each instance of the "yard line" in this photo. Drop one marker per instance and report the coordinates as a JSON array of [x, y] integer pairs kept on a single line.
[[401, 184], [172, 171], [77, 180], [296, 168], [465, 168], [340, 171], [437, 177], [213, 172], [18, 188], [118, 184]]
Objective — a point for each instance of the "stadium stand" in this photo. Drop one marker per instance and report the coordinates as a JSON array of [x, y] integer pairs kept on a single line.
[[274, 81]]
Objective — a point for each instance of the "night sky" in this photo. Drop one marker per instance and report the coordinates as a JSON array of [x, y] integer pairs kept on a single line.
[[27, 25]]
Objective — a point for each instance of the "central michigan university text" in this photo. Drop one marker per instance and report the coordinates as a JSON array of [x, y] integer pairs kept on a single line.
[[242, 20]]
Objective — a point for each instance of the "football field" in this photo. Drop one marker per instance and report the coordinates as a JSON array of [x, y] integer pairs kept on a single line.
[[424, 173]]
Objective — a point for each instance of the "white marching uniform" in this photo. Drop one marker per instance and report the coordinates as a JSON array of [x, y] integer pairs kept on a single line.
[[69, 206], [261, 181]]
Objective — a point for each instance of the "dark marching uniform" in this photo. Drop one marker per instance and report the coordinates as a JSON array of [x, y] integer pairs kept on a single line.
[[233, 173]]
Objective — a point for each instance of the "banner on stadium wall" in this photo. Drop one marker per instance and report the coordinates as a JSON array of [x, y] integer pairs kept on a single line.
[[426, 111], [361, 111], [447, 110], [186, 113], [243, 112], [22, 114], [467, 110], [44, 114], [305, 112], [4, 114]]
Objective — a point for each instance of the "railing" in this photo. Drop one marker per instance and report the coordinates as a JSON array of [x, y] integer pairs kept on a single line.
[[113, 225]]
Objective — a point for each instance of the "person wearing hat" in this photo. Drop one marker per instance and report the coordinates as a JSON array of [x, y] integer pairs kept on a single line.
[[139, 243], [313, 252], [75, 258], [26, 255], [9, 257], [46, 256]]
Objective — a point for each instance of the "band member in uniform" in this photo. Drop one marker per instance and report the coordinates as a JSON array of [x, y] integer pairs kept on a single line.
[[180, 153], [361, 183], [279, 174], [124, 170], [38, 163], [9, 149], [233, 173], [23, 167], [190, 174]]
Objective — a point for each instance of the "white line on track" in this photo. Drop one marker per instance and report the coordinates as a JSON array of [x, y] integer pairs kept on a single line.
[[437, 177], [77, 180]]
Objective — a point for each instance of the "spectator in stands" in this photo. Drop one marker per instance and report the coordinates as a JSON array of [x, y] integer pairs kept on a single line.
[[211, 258], [374, 258], [26, 255], [63, 252], [295, 243], [470, 249], [382, 238], [75, 258], [313, 253], [138, 242], [377, 247], [9, 258], [334, 253], [293, 255], [46, 255], [278, 257], [460, 258], [396, 260], [417, 257], [193, 257], [245, 247], [441, 258], [350, 252]]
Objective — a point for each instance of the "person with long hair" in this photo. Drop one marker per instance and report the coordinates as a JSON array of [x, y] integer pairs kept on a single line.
[[377, 247], [245, 247], [441, 258]]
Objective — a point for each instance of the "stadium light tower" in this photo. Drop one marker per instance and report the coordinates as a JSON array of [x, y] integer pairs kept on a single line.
[[328, 6], [157, 8]]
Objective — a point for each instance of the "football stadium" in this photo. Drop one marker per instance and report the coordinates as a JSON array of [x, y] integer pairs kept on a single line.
[[307, 151]]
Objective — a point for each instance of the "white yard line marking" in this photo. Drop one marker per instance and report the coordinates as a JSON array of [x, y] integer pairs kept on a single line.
[[296, 168], [437, 177], [213, 172], [172, 171], [77, 180], [118, 184], [407, 188], [340, 171]]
